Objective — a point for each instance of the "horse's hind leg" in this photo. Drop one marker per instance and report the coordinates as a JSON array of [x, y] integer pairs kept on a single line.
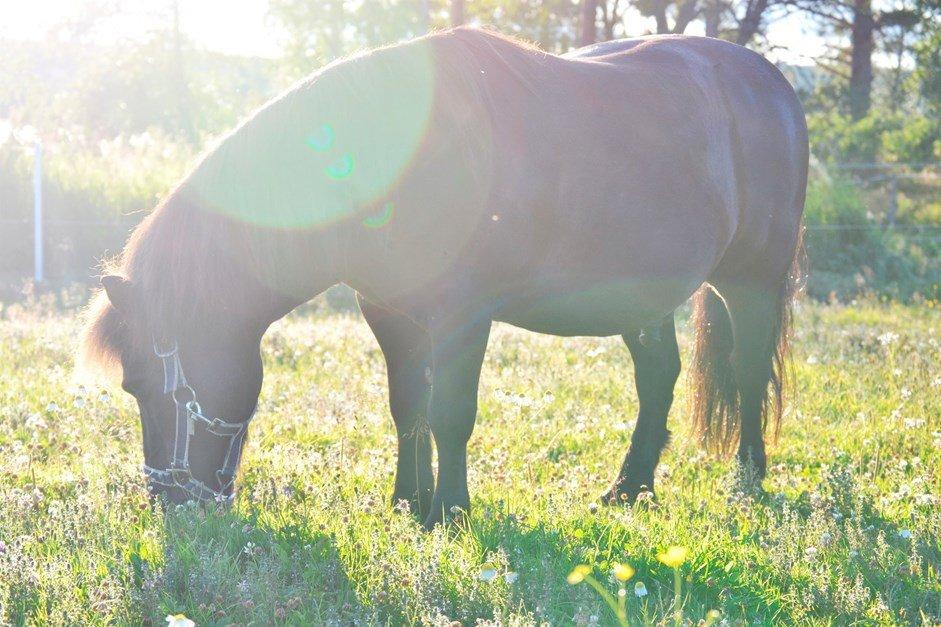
[[656, 368], [754, 313], [407, 353]]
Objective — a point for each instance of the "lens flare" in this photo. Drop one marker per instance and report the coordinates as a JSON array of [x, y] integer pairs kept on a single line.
[[341, 168], [321, 140], [328, 149], [380, 219]]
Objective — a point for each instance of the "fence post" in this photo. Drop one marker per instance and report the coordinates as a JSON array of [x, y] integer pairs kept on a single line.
[[893, 200], [37, 213]]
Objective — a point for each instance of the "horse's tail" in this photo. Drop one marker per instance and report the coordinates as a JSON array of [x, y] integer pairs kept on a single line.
[[714, 392], [712, 388]]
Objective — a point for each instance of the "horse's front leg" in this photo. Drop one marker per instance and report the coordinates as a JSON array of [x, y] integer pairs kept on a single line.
[[656, 368], [407, 351], [457, 354]]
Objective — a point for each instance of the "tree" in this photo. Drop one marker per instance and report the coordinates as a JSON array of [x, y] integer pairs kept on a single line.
[[751, 20], [679, 12], [457, 12], [321, 30], [857, 20], [588, 28], [736, 20], [927, 74]]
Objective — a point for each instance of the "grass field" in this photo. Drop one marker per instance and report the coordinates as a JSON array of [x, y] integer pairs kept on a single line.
[[848, 533]]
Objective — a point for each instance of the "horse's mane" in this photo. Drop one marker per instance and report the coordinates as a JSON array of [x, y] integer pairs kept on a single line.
[[184, 257]]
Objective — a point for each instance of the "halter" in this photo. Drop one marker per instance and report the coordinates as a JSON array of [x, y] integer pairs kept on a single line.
[[188, 413]]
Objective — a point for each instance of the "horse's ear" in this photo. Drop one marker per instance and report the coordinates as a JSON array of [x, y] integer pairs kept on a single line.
[[121, 293]]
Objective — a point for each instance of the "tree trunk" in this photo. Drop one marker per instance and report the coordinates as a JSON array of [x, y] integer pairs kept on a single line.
[[751, 22], [712, 15], [863, 43], [589, 32], [457, 12], [686, 12], [610, 16], [660, 14]]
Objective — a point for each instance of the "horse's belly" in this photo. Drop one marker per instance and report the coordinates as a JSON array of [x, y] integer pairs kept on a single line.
[[612, 307]]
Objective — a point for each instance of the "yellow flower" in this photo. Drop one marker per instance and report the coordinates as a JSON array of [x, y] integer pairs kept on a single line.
[[578, 574], [623, 572], [673, 556], [179, 620]]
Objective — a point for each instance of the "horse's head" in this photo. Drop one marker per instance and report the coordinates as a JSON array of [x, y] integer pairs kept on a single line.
[[196, 391]]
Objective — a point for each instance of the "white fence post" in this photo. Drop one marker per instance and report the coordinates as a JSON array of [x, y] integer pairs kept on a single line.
[[37, 213]]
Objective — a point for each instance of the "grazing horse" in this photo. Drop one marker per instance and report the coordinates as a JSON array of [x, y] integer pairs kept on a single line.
[[459, 179]]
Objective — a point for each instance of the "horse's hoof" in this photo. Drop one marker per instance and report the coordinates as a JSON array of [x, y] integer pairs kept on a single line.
[[454, 519]]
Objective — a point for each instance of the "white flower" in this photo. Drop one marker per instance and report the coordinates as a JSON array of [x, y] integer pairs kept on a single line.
[[79, 402], [179, 620], [640, 590], [35, 422], [511, 577], [488, 573], [888, 338], [905, 534], [52, 406]]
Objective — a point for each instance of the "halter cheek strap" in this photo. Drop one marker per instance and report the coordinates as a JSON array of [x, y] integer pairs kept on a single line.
[[188, 414]]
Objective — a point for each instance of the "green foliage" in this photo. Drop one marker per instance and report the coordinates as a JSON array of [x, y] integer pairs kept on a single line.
[[916, 140], [848, 534], [97, 92], [927, 74], [93, 194], [851, 254]]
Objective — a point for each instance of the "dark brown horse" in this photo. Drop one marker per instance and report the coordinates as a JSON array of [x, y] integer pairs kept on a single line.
[[455, 180]]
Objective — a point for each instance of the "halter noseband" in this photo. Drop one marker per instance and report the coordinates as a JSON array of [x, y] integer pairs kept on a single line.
[[188, 413]]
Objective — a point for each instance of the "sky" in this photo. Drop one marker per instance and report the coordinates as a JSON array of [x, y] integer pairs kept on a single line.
[[245, 29]]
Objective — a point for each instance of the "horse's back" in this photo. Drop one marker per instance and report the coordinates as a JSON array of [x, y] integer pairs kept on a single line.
[[768, 135]]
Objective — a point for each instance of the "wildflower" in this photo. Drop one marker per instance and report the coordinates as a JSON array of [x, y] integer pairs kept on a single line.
[[35, 422], [488, 572], [104, 397], [511, 577], [673, 556], [52, 406], [179, 620], [905, 534], [888, 338], [578, 574], [79, 402], [622, 572], [640, 590]]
